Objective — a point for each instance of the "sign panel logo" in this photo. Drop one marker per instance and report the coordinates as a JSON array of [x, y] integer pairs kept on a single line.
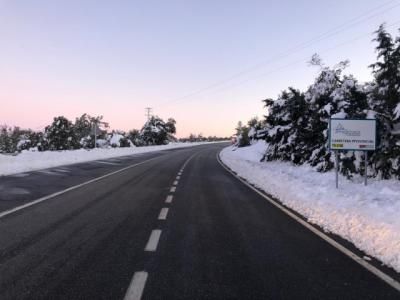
[[342, 130]]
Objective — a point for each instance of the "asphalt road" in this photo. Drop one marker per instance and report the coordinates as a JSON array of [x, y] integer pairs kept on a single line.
[[217, 240]]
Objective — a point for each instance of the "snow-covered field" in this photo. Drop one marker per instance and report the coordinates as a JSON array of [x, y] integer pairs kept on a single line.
[[369, 216], [30, 161]]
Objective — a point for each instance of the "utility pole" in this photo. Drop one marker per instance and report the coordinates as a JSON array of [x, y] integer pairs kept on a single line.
[[148, 112]]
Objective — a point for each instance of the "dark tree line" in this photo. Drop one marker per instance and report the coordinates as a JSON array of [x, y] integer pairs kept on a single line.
[[63, 134]]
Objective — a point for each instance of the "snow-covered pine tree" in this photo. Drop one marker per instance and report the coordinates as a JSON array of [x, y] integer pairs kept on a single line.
[[242, 135], [298, 137], [384, 99], [84, 126], [15, 139], [22, 137], [286, 116], [276, 109], [170, 127], [5, 140], [119, 138], [323, 104], [254, 125], [60, 135], [83, 129], [134, 137], [156, 132]]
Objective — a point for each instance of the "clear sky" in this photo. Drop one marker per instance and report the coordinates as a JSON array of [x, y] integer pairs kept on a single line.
[[114, 58]]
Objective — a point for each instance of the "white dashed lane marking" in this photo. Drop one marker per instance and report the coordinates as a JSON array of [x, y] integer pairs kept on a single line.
[[138, 282], [135, 290], [163, 213], [169, 199], [48, 172], [61, 170], [21, 175], [153, 240], [107, 163]]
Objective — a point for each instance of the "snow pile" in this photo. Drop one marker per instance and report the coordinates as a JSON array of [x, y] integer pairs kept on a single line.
[[369, 216], [30, 160], [115, 140]]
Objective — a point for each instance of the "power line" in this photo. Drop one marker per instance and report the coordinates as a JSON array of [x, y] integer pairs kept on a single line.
[[295, 62], [334, 31]]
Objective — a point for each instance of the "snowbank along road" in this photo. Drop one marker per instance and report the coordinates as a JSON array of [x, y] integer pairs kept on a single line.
[[174, 225]]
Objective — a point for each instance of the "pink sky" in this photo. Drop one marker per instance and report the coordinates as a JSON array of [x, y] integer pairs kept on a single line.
[[73, 57]]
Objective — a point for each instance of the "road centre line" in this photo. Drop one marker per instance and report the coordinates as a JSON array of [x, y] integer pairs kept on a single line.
[[163, 213], [173, 189], [152, 244], [175, 182], [62, 170], [136, 287], [18, 208], [169, 199], [49, 172], [135, 290], [107, 162], [383, 276], [178, 177]]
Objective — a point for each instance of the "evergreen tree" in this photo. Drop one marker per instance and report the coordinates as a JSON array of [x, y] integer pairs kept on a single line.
[[84, 129], [60, 135], [5, 140], [170, 126], [384, 99], [254, 125], [242, 134], [286, 119], [322, 103], [156, 132], [134, 137]]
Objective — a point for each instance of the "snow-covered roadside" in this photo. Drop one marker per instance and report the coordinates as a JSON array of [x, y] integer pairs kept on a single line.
[[30, 161], [369, 216]]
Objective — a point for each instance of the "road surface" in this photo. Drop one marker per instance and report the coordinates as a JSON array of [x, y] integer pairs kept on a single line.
[[156, 232]]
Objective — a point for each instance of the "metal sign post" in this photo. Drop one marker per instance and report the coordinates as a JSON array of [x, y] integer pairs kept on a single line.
[[337, 168], [366, 168]]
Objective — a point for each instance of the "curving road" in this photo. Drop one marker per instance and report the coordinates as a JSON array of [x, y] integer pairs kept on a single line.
[[152, 231]]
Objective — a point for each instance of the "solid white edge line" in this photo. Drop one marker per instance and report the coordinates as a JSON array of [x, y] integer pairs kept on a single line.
[[135, 290], [175, 182], [163, 213], [383, 276], [15, 209], [154, 238], [169, 199], [173, 189]]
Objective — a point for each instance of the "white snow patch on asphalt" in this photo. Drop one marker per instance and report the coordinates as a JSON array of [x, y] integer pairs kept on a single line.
[[368, 216], [31, 161]]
